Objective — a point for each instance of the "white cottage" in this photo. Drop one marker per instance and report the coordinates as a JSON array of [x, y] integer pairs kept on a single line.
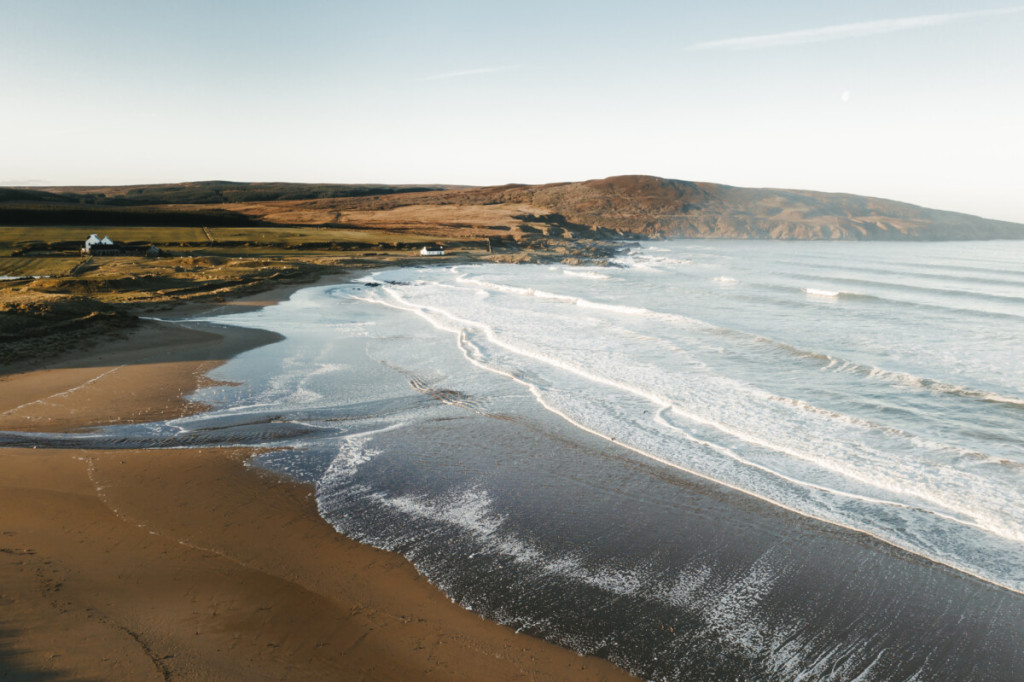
[[94, 240], [432, 250]]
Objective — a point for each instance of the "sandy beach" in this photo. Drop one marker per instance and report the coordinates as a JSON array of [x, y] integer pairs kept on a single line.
[[186, 564], [132, 560]]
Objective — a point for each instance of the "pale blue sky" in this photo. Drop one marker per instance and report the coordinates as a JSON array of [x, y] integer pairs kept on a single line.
[[920, 101]]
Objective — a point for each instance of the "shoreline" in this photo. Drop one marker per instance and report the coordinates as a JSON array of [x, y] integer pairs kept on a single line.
[[222, 569], [154, 564], [651, 548]]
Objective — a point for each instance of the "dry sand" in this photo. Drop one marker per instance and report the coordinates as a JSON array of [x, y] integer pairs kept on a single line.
[[185, 564]]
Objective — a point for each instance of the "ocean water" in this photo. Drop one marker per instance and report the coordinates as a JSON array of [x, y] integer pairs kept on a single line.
[[753, 460]]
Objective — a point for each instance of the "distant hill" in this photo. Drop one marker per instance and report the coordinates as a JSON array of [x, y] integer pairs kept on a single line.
[[631, 206], [656, 207], [205, 192]]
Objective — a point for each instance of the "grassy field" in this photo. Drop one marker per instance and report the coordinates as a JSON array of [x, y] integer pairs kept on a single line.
[[13, 237], [26, 266], [296, 236], [230, 242]]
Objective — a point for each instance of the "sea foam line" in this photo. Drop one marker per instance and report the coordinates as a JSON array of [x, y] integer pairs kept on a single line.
[[931, 503], [574, 300], [424, 312], [836, 364], [916, 551], [994, 525], [936, 291]]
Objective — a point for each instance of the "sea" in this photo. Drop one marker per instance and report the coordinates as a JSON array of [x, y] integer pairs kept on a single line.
[[744, 460]]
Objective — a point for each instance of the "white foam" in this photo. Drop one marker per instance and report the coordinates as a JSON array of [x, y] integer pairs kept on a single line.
[[673, 368], [584, 274], [468, 510], [471, 511], [817, 462], [354, 451], [330, 368], [637, 311]]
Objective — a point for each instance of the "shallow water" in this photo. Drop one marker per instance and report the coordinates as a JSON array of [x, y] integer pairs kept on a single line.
[[768, 460]]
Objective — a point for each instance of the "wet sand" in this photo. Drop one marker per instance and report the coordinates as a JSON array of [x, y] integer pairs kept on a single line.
[[186, 564]]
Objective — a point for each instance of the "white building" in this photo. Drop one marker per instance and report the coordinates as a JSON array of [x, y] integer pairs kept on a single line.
[[94, 240]]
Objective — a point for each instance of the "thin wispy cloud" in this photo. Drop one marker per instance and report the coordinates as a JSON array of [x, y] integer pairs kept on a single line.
[[468, 72], [17, 182], [844, 31]]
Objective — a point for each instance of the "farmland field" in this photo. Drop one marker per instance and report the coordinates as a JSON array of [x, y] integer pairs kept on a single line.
[[27, 266], [13, 237]]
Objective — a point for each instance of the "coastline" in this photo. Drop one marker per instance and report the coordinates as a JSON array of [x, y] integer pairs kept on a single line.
[[143, 564], [562, 532], [700, 583]]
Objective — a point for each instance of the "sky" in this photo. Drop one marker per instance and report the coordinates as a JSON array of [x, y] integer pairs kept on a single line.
[[917, 101]]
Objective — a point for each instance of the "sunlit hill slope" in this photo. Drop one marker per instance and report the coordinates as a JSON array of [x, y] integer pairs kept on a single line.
[[624, 206]]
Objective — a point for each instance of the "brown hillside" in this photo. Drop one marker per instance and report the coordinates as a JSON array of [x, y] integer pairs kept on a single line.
[[624, 206], [658, 207], [638, 206]]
